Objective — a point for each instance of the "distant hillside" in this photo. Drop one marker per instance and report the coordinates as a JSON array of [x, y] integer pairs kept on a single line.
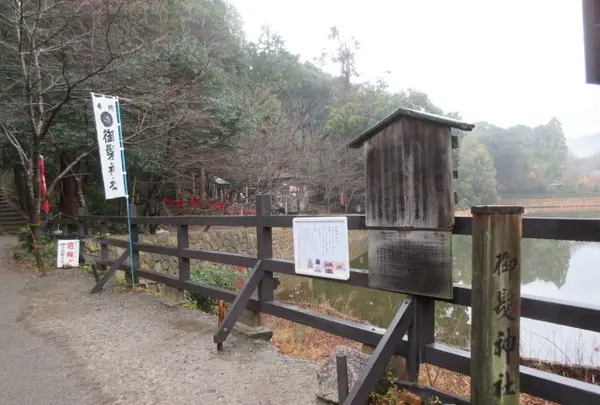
[[585, 146]]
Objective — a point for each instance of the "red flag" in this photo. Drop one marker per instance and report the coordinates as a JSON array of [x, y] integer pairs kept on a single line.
[[43, 176], [44, 190]]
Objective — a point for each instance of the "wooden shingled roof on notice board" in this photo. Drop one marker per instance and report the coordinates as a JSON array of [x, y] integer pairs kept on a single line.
[[413, 114]]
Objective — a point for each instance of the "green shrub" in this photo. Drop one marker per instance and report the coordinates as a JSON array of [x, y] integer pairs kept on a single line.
[[25, 237], [26, 251], [216, 276]]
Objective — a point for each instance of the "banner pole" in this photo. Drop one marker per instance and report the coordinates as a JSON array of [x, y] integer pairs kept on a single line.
[[131, 255]]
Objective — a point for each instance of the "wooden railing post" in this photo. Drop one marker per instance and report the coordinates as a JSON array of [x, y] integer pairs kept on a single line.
[[250, 321], [103, 245], [264, 247], [135, 238], [183, 242], [81, 234], [421, 333], [496, 305]]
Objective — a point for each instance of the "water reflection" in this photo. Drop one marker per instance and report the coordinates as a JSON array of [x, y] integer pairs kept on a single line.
[[545, 260], [559, 269]]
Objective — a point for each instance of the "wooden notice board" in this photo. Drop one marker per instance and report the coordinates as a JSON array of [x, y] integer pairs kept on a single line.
[[411, 262], [409, 194], [409, 179]]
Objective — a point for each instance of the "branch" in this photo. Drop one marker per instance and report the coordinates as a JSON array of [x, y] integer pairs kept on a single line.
[[22, 156], [68, 168], [71, 86]]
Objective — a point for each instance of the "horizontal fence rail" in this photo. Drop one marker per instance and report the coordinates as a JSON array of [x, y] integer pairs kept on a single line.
[[538, 383], [581, 316], [571, 229]]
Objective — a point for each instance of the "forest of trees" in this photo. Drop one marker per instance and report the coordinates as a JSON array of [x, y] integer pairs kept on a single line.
[[199, 99]]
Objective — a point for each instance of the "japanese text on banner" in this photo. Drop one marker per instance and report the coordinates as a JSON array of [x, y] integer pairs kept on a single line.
[[109, 145]]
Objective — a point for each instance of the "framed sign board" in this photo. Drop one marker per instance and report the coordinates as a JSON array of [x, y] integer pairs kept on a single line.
[[321, 247], [411, 262], [67, 254]]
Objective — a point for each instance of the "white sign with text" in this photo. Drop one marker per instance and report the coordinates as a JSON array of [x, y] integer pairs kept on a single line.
[[321, 247], [106, 115], [67, 253]]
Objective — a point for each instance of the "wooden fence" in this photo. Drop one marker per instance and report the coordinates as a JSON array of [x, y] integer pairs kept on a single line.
[[420, 346]]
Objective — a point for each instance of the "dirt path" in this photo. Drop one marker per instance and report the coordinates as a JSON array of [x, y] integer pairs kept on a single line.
[[61, 345]]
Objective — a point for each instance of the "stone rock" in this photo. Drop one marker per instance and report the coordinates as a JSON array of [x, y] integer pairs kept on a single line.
[[327, 388], [397, 365], [260, 332]]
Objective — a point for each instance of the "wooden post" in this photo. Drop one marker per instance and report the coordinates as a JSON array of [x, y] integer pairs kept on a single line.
[[183, 242], [264, 247], [496, 305], [81, 235], [135, 254], [341, 362], [103, 246], [420, 334]]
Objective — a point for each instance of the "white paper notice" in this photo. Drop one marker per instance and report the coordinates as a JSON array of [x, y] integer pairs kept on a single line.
[[67, 253], [109, 144], [321, 247]]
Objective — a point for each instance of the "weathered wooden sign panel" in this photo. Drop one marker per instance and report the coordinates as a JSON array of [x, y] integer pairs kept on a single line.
[[412, 262], [409, 176]]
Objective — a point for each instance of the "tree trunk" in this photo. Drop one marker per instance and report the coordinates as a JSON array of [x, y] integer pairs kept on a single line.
[[33, 188], [21, 186], [203, 194], [34, 194], [133, 190], [68, 195], [80, 195]]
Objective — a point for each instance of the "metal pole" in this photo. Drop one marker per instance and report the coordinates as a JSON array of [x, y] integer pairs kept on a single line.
[[496, 304], [131, 259]]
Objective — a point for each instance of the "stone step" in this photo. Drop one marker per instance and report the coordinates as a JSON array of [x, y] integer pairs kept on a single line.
[[8, 207], [8, 211], [15, 222], [11, 215], [20, 224], [12, 221]]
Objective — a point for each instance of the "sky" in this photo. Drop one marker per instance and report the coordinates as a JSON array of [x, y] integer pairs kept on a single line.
[[506, 62]]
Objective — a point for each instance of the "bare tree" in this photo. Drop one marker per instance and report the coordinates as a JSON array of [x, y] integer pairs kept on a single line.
[[50, 49]]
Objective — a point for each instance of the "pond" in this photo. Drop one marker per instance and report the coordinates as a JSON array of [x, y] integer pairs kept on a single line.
[[557, 269]]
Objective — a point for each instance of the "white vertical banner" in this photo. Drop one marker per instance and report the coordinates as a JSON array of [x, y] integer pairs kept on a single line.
[[108, 124]]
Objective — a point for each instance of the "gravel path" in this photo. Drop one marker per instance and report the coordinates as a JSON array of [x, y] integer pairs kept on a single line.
[[61, 345]]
